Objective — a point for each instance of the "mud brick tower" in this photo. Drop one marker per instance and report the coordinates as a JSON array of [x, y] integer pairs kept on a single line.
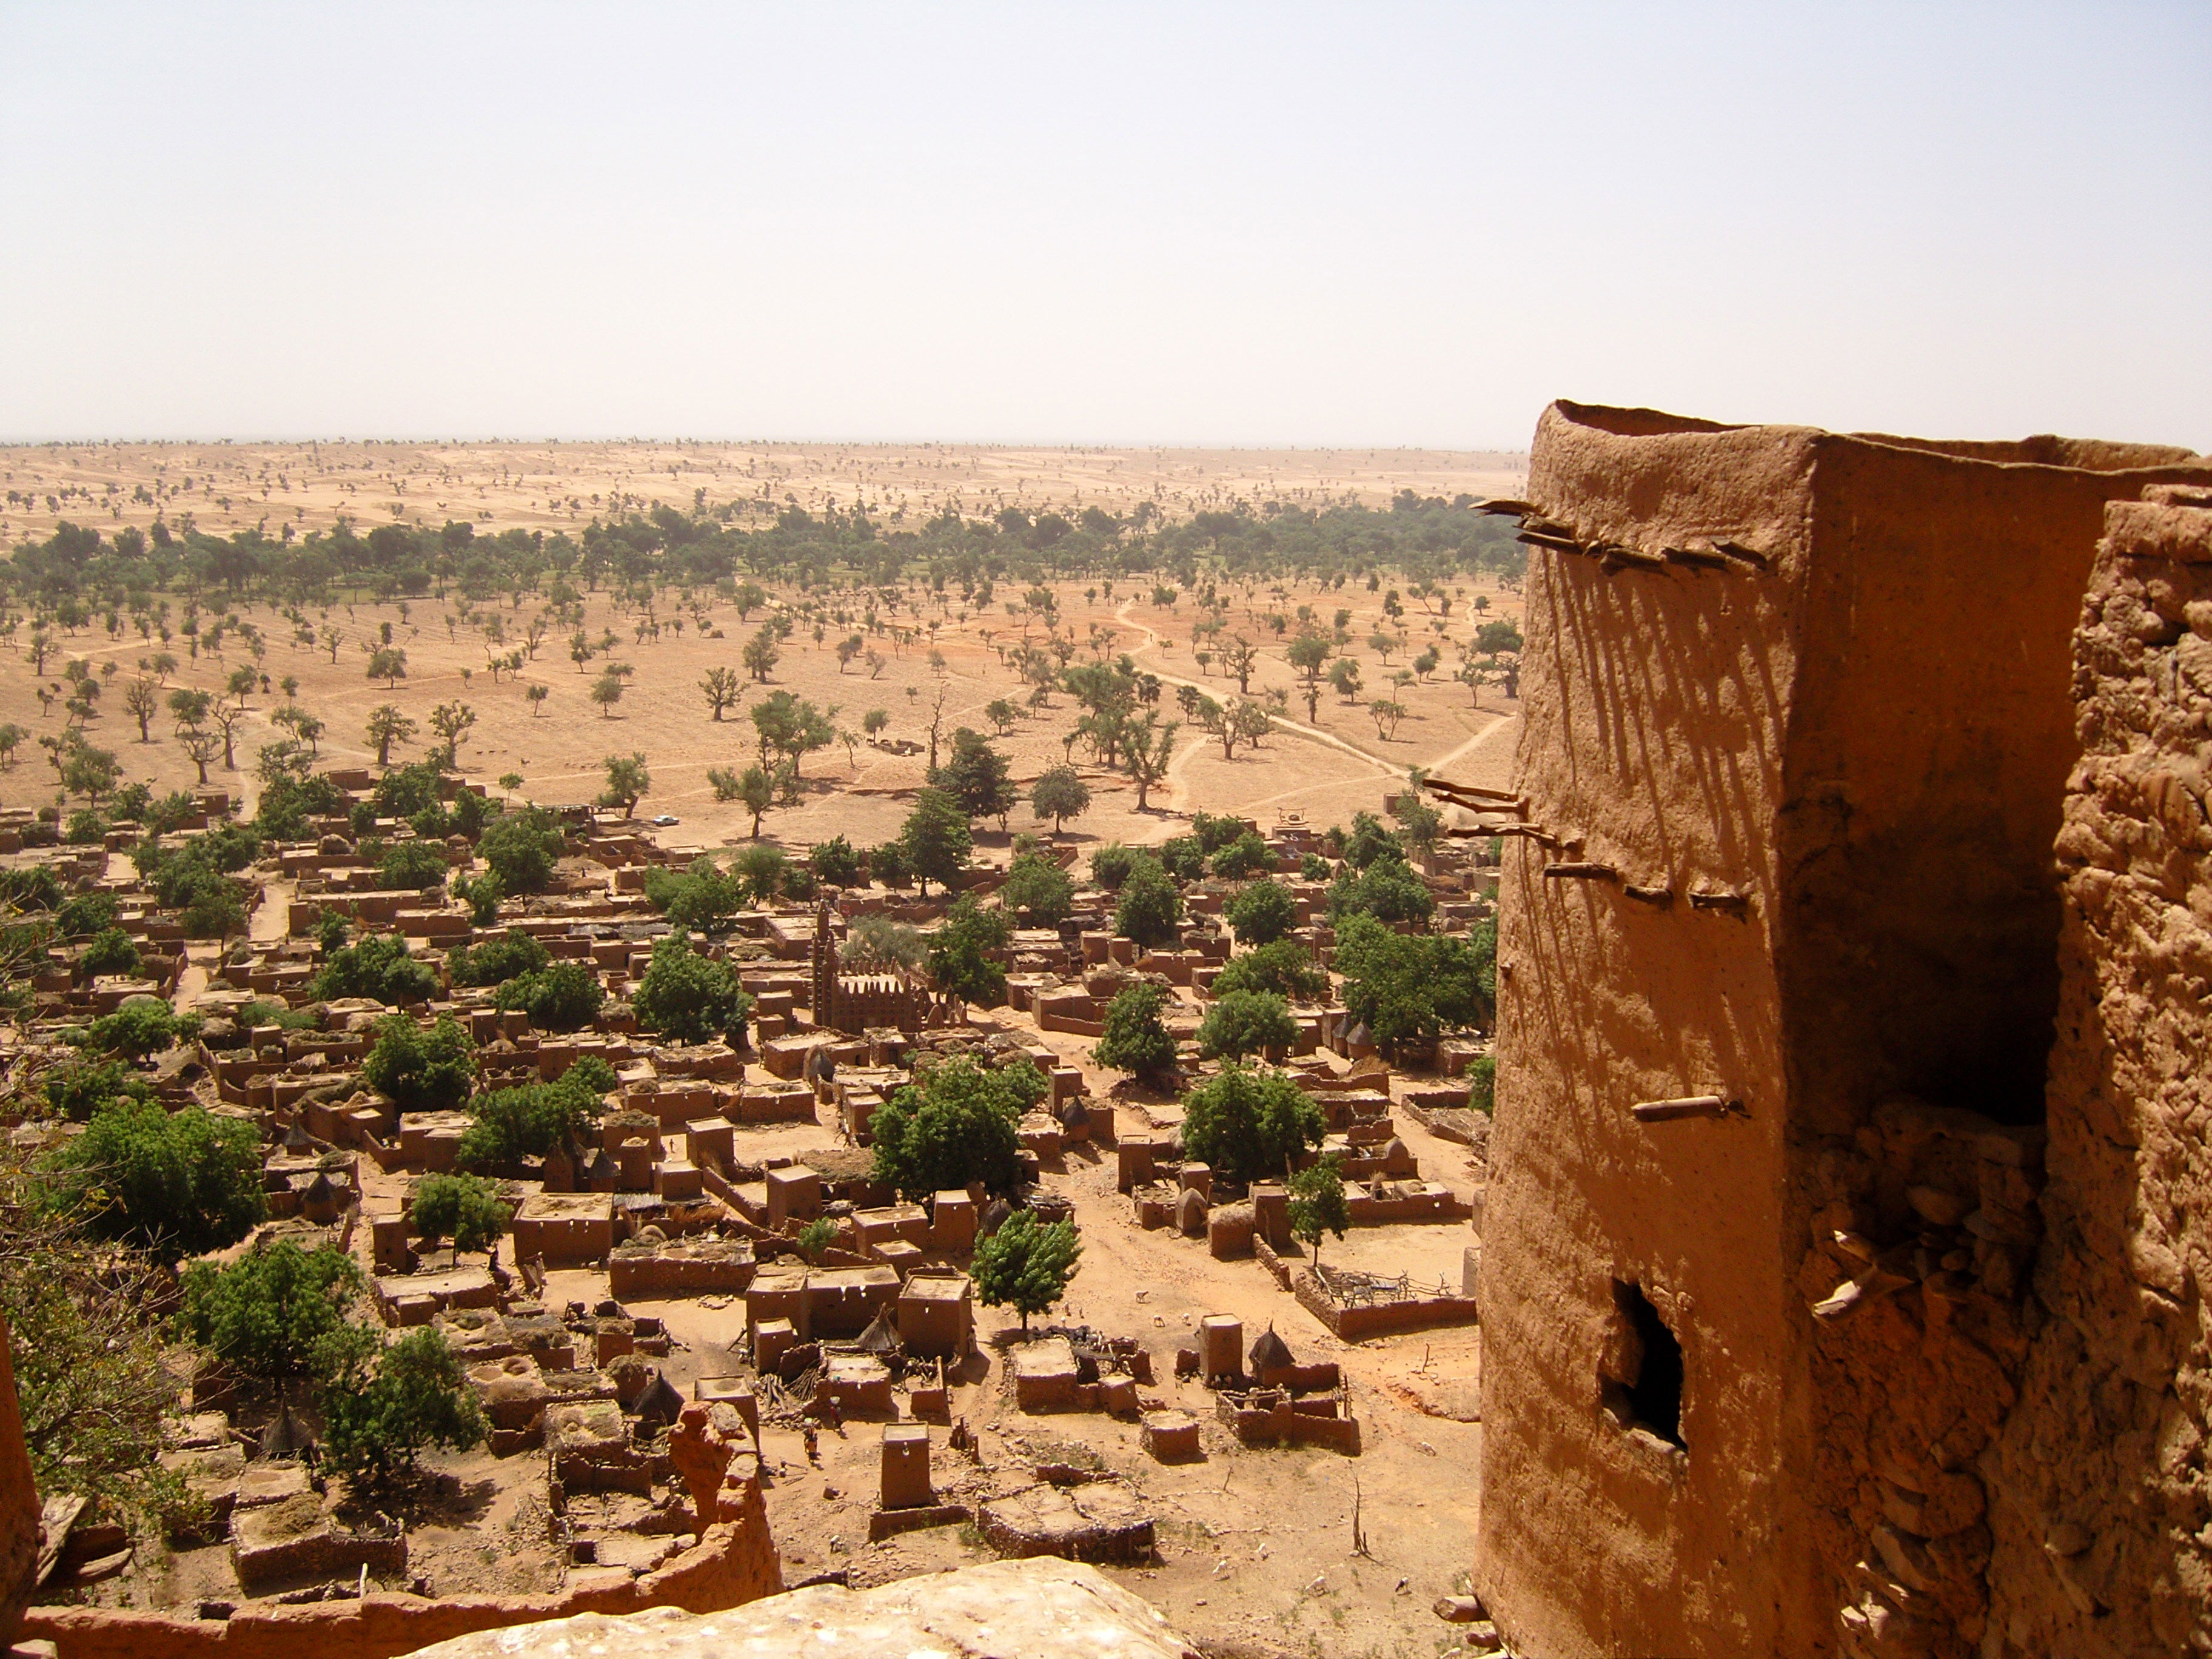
[[1778, 976]]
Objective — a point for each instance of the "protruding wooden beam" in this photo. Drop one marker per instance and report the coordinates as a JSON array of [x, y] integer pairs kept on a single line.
[[1504, 506], [1581, 873], [1736, 905], [1751, 556], [1617, 554], [1689, 1106], [1660, 897], [1697, 558]]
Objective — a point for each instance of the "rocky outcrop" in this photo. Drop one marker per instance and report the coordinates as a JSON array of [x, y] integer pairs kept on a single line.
[[1038, 1610]]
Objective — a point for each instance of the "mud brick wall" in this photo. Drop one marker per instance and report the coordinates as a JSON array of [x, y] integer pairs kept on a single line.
[[1798, 726], [2099, 1494]]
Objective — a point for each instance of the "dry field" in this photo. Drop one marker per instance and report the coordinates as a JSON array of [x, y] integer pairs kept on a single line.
[[1323, 770], [237, 486]]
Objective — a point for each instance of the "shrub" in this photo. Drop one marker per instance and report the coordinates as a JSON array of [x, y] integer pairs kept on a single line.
[[956, 1126], [1111, 865], [498, 960], [1246, 1023], [422, 1071], [1482, 1084], [1036, 885], [1150, 907], [1248, 1124], [1026, 1264], [376, 1427], [378, 968], [688, 999], [110, 952], [1135, 1039], [561, 996], [592, 1074], [1313, 867], [277, 1312], [172, 1184]]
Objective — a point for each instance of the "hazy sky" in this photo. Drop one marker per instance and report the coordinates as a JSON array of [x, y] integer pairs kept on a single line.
[[1369, 224]]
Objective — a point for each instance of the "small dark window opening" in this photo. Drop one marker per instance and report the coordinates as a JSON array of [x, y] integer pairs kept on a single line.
[[1648, 1395]]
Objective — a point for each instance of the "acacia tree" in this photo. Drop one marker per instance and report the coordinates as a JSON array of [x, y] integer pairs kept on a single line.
[[721, 688], [389, 665], [627, 783]]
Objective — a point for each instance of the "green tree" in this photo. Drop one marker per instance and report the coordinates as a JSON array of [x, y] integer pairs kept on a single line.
[[791, 727], [1026, 1264], [955, 1125], [1317, 1203], [1135, 1038], [1262, 913], [451, 722], [414, 865], [387, 665], [422, 1071], [521, 848], [755, 788], [960, 953], [277, 1312], [110, 952], [1036, 885], [140, 1026], [1111, 865], [1244, 1022], [378, 968], [1247, 1124], [977, 776], [530, 1121], [935, 839], [835, 861], [1149, 908], [1242, 858], [501, 957], [721, 688], [1060, 794], [701, 896], [375, 1428], [561, 996], [1482, 1084], [627, 783], [607, 692], [690, 999], [1407, 988], [462, 1207], [1285, 968], [170, 1184], [761, 654], [1388, 890]]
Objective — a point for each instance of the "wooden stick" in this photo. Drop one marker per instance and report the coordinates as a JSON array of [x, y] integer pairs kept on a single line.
[[1504, 506], [1582, 873], [1757, 561], [1615, 553], [1735, 903], [1446, 787], [1672, 1111], [1700, 558], [1661, 897]]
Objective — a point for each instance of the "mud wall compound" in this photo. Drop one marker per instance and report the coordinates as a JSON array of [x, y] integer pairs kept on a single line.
[[1798, 727]]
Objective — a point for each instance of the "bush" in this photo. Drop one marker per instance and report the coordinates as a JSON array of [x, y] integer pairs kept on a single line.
[[512, 1124], [1026, 1264], [835, 861], [498, 960], [1111, 865], [1482, 1084], [959, 953], [1150, 906], [378, 968], [483, 896], [561, 996], [1262, 913], [422, 1071], [77, 1090], [110, 952], [1246, 1023], [462, 1207], [956, 1126], [1038, 885], [85, 912], [171, 1184], [521, 849], [688, 999], [376, 1428], [86, 828], [1284, 967], [277, 1312], [1135, 1039], [1313, 867], [1250, 1125], [413, 864]]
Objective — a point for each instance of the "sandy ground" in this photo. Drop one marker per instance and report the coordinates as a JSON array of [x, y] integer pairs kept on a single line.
[[226, 487], [1323, 770]]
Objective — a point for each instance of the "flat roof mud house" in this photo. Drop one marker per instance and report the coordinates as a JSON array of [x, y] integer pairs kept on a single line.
[[1768, 1366]]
